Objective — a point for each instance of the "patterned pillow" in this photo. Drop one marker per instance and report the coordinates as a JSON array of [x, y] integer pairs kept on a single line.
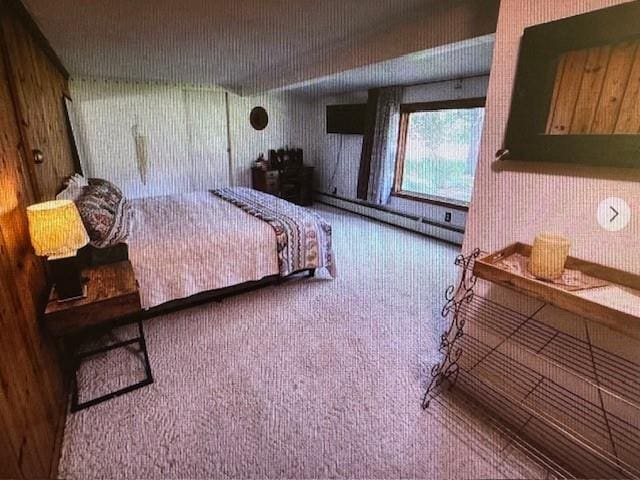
[[105, 213], [103, 182]]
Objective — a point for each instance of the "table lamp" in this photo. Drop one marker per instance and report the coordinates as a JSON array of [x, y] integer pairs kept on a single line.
[[57, 233]]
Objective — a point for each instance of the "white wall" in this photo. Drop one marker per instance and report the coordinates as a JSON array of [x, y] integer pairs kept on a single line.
[[451, 90], [515, 203], [346, 180], [186, 133], [338, 158], [291, 123], [184, 128]]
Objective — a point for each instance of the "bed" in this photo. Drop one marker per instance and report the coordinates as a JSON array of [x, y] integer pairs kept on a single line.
[[194, 247], [186, 244], [183, 245]]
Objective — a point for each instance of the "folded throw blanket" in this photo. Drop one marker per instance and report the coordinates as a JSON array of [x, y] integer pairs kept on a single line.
[[303, 237]]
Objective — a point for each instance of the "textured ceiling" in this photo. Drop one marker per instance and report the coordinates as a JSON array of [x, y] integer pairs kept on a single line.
[[468, 58], [222, 42]]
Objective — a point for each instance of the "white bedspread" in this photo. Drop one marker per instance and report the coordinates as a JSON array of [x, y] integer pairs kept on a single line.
[[185, 244]]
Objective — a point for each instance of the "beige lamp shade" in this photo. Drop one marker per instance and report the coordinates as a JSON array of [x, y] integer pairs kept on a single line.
[[56, 229]]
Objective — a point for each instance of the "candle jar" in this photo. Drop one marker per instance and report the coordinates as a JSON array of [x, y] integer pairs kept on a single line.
[[549, 256]]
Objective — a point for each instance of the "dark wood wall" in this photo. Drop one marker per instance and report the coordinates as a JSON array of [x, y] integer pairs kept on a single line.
[[39, 84], [32, 393]]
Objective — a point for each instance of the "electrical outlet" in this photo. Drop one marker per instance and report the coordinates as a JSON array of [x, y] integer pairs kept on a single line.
[[447, 217]]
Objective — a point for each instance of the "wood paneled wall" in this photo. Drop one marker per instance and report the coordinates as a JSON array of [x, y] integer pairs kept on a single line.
[[597, 91], [32, 393], [39, 87]]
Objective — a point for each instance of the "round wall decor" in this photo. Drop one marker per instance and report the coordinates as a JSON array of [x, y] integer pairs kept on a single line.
[[259, 118]]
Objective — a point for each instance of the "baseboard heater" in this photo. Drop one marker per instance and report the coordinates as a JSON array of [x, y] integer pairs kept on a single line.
[[414, 223]]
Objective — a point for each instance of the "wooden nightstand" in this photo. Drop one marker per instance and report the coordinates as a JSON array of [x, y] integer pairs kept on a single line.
[[113, 299]]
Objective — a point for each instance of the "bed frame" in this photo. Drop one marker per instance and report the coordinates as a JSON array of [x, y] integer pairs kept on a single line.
[[219, 294]]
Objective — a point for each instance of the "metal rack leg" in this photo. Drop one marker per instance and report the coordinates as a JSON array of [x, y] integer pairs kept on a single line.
[[446, 371]]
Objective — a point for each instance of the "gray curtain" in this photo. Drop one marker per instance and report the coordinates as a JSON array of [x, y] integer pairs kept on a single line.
[[384, 145]]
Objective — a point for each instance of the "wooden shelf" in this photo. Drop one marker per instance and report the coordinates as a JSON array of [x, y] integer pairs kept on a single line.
[[616, 306]]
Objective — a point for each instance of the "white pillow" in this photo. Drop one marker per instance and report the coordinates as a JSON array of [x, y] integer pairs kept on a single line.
[[78, 180], [74, 186], [71, 192]]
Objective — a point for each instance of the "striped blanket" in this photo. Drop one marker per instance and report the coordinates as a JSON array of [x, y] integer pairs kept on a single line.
[[303, 237]]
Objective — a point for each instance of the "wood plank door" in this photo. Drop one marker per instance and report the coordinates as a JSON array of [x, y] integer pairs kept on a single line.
[[38, 89], [32, 397]]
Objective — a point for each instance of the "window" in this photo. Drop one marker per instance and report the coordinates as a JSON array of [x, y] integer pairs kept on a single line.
[[438, 150]]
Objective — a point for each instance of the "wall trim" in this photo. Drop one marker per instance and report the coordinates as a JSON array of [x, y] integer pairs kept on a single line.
[[446, 233], [432, 200], [185, 86], [449, 80]]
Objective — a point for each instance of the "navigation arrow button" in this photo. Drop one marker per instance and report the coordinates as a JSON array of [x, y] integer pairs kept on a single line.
[[614, 214]]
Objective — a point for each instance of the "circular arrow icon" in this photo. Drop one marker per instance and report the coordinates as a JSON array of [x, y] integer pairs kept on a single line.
[[614, 214]]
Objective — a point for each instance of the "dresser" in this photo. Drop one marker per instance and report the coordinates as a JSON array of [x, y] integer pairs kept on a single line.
[[294, 185], [265, 180]]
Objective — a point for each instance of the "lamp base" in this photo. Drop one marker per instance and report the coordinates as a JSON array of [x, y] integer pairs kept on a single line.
[[67, 278]]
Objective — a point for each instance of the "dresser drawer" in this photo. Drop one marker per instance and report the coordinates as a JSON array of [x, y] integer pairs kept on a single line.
[[271, 186]]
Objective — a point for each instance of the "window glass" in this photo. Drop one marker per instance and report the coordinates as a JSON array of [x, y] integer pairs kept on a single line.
[[441, 152]]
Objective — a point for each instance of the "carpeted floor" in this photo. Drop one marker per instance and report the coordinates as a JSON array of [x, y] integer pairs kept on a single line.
[[313, 378]]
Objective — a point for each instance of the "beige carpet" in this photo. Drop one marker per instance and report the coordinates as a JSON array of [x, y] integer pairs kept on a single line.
[[311, 379]]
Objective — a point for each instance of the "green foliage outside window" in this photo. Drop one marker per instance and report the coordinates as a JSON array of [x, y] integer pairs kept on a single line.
[[441, 152]]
